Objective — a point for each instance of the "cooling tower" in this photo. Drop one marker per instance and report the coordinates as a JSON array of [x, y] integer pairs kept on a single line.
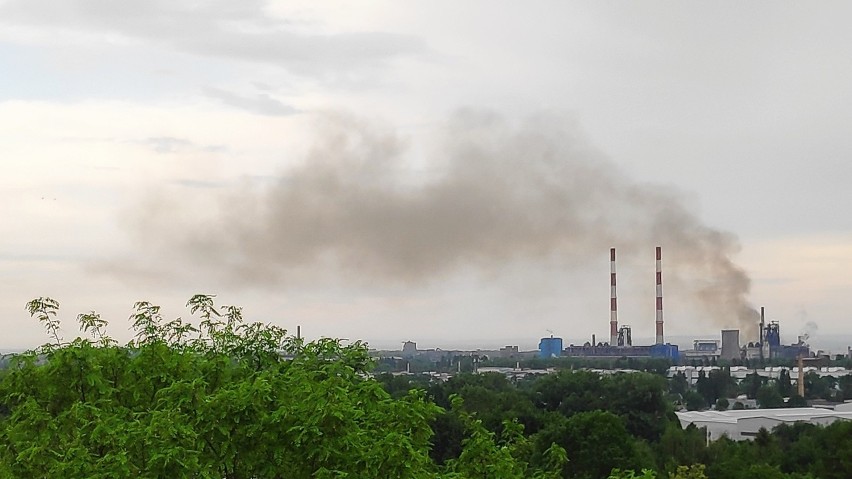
[[730, 344]]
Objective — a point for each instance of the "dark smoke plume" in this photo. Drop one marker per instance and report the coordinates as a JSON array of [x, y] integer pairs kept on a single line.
[[492, 193]]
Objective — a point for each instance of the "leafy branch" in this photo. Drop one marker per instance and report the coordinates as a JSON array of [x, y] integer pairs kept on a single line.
[[44, 309]]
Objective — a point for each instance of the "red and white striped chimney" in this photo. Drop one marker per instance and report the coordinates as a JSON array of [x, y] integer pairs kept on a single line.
[[659, 297], [613, 302]]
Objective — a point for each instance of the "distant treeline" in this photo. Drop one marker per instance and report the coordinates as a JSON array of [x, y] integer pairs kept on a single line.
[[626, 421]]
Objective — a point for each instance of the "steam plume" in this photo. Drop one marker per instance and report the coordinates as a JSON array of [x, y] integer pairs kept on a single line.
[[494, 193]]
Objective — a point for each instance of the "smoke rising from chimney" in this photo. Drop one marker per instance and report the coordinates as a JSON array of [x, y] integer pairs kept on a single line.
[[493, 193]]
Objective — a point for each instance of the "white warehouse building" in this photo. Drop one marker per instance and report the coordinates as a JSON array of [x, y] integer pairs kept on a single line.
[[745, 423]]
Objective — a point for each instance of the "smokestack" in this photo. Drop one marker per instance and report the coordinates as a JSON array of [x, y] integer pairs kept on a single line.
[[659, 297], [760, 337], [613, 302], [800, 385]]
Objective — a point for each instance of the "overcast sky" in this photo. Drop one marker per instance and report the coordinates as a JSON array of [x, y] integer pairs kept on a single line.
[[452, 173]]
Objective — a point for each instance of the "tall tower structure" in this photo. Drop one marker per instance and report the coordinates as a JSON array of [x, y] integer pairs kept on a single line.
[[613, 301], [659, 319]]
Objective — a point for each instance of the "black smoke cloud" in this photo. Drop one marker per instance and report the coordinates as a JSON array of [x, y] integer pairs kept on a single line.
[[489, 193]]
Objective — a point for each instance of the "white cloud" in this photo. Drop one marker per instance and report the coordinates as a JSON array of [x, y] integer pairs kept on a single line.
[[241, 31], [260, 103]]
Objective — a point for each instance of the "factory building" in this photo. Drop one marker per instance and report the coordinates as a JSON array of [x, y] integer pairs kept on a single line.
[[669, 351], [768, 345], [769, 342], [550, 347], [703, 350], [744, 424]]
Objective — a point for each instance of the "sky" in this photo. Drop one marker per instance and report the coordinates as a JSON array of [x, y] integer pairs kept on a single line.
[[452, 173]]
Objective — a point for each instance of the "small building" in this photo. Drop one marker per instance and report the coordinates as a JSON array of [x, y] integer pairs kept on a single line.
[[509, 352]]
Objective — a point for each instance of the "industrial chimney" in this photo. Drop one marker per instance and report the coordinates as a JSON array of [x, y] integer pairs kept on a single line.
[[659, 339], [613, 302], [760, 339]]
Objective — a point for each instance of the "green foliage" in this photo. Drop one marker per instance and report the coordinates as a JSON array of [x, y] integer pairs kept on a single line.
[[492, 397], [797, 401], [595, 442], [695, 471], [819, 387], [769, 397], [765, 471], [784, 384], [844, 385], [233, 400], [718, 384], [678, 384], [619, 474], [751, 384], [694, 401], [637, 398], [679, 446], [44, 309], [485, 454]]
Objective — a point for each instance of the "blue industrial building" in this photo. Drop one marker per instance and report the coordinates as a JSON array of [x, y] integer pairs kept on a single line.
[[550, 347]]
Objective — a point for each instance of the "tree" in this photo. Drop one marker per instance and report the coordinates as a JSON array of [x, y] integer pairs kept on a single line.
[[486, 455], [595, 442], [492, 397], [717, 384], [619, 474], [834, 446], [765, 471], [751, 384], [798, 444], [637, 398], [695, 471], [844, 383], [678, 384], [769, 397], [680, 446], [817, 386], [785, 386], [223, 400], [694, 401]]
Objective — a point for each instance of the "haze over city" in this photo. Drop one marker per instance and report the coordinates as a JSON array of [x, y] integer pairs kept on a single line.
[[453, 174]]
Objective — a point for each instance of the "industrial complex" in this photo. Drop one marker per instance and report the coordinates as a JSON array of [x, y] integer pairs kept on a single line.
[[730, 347], [766, 346]]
